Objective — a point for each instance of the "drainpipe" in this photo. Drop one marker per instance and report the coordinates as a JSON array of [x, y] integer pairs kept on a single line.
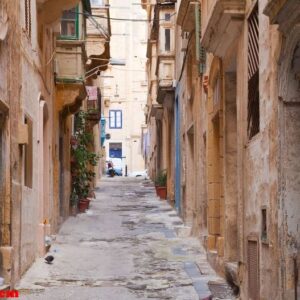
[[197, 35]]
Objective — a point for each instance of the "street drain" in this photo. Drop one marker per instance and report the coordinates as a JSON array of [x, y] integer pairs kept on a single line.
[[221, 290]]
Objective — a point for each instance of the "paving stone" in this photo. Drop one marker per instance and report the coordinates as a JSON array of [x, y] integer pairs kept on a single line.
[[126, 249], [192, 269]]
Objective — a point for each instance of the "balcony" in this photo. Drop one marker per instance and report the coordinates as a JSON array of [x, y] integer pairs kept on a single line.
[[283, 12], [50, 11], [98, 34], [165, 74], [70, 61], [222, 21], [186, 15]]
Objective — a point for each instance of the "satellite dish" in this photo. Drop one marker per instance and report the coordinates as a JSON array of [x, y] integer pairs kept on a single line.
[[107, 136], [3, 24]]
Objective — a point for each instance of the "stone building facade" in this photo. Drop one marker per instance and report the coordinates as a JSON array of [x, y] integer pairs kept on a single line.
[[124, 87], [36, 124], [161, 79], [236, 138]]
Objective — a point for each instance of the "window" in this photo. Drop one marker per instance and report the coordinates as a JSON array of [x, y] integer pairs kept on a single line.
[[96, 3], [264, 229], [28, 17], [167, 39], [28, 156], [167, 17], [253, 73], [115, 119], [69, 24]]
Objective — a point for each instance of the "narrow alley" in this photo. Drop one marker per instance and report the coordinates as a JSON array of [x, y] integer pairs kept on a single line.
[[149, 149], [128, 245]]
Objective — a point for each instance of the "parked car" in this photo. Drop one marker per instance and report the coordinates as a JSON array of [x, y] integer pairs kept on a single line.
[[142, 174]]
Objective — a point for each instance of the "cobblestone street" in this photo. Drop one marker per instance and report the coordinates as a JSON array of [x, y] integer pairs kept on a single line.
[[129, 245]]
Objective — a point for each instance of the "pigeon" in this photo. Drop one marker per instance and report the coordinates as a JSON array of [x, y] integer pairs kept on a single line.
[[49, 259]]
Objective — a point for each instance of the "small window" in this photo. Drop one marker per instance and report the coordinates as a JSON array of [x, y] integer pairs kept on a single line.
[[28, 17], [69, 24], [28, 151], [264, 229], [115, 119], [167, 39], [167, 17]]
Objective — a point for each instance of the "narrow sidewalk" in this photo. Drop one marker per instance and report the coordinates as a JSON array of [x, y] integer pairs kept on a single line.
[[129, 245]]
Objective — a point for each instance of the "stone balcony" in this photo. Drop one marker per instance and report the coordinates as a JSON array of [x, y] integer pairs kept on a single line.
[[186, 15], [166, 75], [98, 34], [70, 61], [70, 75], [222, 21], [285, 13], [50, 11]]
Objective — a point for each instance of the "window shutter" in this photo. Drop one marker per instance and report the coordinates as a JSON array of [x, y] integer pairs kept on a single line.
[[202, 54], [253, 270], [28, 17], [253, 73]]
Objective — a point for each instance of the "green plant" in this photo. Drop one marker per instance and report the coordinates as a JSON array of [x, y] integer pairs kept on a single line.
[[83, 160], [161, 178]]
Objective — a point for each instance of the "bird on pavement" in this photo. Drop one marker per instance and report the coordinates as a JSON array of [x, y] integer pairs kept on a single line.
[[49, 259]]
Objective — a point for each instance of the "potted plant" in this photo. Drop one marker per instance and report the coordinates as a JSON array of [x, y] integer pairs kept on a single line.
[[83, 159], [161, 184]]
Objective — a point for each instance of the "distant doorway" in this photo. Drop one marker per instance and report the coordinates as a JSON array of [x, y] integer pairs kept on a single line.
[[115, 150]]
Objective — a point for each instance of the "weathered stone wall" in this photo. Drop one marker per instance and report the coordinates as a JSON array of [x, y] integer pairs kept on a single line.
[[10, 84], [250, 170], [37, 68]]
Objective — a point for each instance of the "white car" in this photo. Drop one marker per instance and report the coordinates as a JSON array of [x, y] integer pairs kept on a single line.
[[139, 174]]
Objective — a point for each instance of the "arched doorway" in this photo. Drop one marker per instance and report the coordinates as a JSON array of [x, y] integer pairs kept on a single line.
[[289, 184]]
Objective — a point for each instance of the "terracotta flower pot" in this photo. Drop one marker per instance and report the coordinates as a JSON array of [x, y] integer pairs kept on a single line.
[[83, 205], [162, 192]]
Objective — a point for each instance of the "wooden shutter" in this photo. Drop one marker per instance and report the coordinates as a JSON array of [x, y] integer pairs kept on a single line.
[[253, 270], [253, 73], [28, 17]]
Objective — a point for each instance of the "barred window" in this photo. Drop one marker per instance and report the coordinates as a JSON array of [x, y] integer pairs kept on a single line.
[[253, 73]]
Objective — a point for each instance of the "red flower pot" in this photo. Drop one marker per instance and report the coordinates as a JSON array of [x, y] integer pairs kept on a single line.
[[83, 205], [162, 192]]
